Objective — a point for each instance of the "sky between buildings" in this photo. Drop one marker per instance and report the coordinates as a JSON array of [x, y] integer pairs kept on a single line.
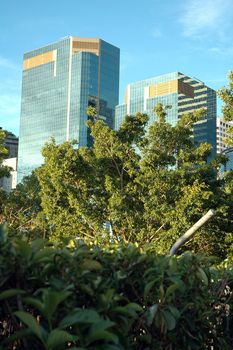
[[194, 37]]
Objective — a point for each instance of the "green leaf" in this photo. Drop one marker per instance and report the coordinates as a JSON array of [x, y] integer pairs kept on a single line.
[[177, 285], [87, 289], [202, 276], [90, 264], [120, 275], [38, 244], [34, 302], [169, 320], [129, 310], [17, 335], [102, 325], [171, 289], [32, 324], [42, 255], [135, 307], [148, 287], [24, 249], [52, 299], [3, 233], [175, 312], [107, 296], [80, 316], [10, 293], [177, 281], [150, 314], [59, 337], [101, 335]]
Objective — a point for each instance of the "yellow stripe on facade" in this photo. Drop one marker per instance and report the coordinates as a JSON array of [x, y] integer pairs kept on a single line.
[[38, 60], [163, 88], [172, 86], [86, 45]]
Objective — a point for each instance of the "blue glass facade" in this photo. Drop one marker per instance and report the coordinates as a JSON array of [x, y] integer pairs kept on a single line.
[[59, 82], [182, 93], [229, 164]]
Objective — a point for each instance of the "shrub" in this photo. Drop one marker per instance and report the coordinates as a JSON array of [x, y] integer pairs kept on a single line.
[[85, 297]]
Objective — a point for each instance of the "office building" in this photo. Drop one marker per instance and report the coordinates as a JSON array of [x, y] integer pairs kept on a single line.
[[222, 134], [182, 93], [229, 164], [10, 182], [59, 82], [11, 143]]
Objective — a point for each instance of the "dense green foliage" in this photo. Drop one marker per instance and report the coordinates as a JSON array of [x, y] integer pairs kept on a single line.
[[4, 171], [117, 298], [148, 184], [22, 210], [226, 94]]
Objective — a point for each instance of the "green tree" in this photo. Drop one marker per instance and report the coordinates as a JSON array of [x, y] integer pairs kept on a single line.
[[84, 188], [150, 184], [22, 209], [226, 94], [4, 170], [179, 183]]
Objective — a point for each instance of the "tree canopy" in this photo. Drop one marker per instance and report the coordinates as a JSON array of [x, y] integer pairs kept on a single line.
[[142, 184], [4, 170]]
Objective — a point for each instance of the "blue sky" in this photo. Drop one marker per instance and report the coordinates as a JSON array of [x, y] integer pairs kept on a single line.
[[155, 37]]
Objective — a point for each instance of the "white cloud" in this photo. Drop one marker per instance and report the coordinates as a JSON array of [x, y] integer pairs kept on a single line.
[[201, 18]]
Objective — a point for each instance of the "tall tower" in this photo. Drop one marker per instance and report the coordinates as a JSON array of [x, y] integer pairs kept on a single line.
[[59, 82], [222, 133], [182, 93]]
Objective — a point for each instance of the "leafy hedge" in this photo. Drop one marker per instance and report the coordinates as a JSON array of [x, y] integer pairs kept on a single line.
[[84, 297]]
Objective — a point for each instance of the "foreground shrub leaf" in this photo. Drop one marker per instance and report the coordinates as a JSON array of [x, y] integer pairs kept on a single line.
[[169, 319], [90, 264], [32, 324], [10, 293], [52, 299], [150, 314], [17, 335], [101, 335], [35, 303], [59, 337], [202, 275], [80, 316]]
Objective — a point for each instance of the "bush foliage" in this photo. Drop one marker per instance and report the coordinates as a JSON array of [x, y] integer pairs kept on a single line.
[[86, 297]]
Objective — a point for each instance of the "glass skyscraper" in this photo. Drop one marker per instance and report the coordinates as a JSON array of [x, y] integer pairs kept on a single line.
[[59, 82], [182, 93]]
